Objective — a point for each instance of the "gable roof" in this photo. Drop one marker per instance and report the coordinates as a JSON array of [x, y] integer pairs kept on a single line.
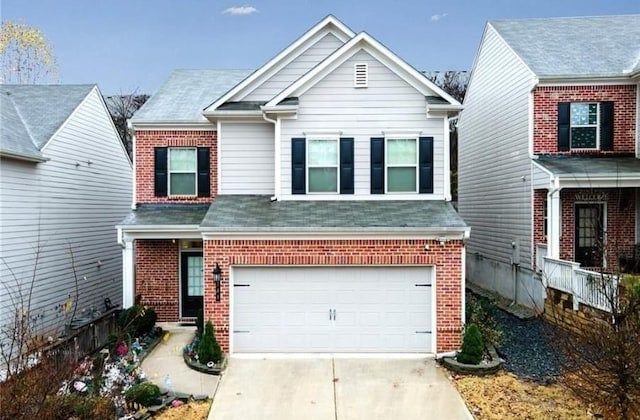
[[599, 46], [31, 114], [328, 22], [182, 97], [363, 41]]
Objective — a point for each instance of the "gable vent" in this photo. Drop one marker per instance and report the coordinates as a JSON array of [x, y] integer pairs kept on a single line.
[[360, 75]]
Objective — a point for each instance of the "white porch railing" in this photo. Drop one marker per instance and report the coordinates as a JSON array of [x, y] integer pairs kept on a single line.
[[587, 287], [541, 252]]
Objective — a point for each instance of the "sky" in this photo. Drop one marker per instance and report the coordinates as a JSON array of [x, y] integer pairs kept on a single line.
[[133, 45]]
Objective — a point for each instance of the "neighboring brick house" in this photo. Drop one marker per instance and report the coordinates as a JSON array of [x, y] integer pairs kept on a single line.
[[559, 99], [318, 186]]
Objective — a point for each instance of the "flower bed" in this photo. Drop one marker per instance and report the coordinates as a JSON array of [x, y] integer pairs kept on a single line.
[[190, 355]]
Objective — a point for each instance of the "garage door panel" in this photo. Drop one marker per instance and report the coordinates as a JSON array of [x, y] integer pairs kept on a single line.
[[331, 309]]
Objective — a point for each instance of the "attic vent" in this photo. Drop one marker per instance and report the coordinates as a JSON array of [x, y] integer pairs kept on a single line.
[[360, 75]]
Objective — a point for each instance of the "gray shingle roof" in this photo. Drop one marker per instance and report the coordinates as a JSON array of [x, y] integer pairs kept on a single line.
[[577, 46], [186, 93], [255, 213], [152, 215], [31, 114], [591, 166]]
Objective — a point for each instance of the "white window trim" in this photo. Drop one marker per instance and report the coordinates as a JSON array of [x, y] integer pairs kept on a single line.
[[596, 126], [387, 166], [309, 166], [170, 172]]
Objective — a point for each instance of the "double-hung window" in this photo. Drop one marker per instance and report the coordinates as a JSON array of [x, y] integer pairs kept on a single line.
[[323, 161], [402, 165], [183, 169], [584, 125]]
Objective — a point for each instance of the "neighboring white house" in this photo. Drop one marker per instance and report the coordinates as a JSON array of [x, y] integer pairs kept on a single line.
[[548, 143], [65, 181]]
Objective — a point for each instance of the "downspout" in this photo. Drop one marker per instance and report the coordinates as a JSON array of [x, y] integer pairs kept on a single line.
[[276, 168]]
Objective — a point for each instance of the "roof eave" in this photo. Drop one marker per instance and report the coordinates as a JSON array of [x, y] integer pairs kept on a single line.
[[584, 78], [23, 156], [163, 124]]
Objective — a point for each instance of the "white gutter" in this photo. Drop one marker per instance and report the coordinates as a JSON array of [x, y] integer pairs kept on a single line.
[[20, 156], [276, 144]]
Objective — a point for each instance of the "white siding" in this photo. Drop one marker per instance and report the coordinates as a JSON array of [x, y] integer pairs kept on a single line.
[[388, 103], [247, 158], [295, 69], [69, 203], [494, 166]]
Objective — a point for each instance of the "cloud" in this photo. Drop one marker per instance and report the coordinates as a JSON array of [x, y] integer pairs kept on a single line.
[[240, 11], [438, 16]]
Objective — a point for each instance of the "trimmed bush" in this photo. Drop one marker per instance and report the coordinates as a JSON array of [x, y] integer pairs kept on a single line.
[[137, 320], [143, 393], [480, 311], [209, 350], [472, 346]]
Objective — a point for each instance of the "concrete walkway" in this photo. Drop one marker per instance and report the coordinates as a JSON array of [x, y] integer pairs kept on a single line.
[[338, 389], [166, 368]]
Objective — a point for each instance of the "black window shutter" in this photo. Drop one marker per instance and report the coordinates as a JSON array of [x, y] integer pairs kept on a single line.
[[160, 172], [564, 124], [606, 126], [298, 166], [425, 165], [377, 165], [346, 165], [204, 184]]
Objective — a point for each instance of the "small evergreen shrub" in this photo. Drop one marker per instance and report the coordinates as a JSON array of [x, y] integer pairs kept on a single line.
[[480, 311], [143, 393], [209, 350], [200, 323], [137, 320], [472, 346]]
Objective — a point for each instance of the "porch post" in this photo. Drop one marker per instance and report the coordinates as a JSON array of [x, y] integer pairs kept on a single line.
[[128, 284], [553, 223]]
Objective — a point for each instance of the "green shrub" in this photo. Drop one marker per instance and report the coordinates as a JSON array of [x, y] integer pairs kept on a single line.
[[143, 393], [137, 320], [480, 311], [472, 346], [209, 350], [200, 323]]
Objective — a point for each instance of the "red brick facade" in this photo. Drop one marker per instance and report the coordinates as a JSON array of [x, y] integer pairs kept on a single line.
[[147, 140], [620, 220], [545, 121], [158, 278], [446, 258]]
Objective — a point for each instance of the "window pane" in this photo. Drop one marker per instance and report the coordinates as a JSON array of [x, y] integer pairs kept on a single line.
[[195, 285], [401, 152], [323, 180], [583, 137], [182, 160], [323, 152], [584, 114], [401, 179], [183, 184]]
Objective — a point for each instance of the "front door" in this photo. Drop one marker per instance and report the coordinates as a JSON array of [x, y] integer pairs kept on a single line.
[[589, 234], [192, 283]]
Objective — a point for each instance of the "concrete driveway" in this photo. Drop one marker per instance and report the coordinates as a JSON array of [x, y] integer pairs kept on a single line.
[[339, 389]]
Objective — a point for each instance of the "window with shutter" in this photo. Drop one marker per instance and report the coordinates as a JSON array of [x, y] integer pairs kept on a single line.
[[585, 126]]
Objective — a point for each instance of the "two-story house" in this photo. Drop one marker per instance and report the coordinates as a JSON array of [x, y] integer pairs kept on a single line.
[[65, 181], [548, 149], [316, 189]]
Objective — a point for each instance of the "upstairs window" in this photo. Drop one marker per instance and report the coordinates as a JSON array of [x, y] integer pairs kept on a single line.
[[182, 171], [322, 165], [402, 165], [585, 126]]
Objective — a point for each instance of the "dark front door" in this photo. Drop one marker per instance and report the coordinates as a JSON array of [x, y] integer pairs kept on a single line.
[[192, 283], [589, 234]]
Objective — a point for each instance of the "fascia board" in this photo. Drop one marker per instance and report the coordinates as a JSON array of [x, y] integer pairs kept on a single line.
[[23, 156], [329, 20], [443, 234]]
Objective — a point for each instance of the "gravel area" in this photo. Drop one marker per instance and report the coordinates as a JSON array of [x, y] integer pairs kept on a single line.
[[525, 349]]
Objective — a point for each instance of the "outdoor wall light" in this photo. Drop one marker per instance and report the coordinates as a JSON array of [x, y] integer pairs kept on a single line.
[[217, 279]]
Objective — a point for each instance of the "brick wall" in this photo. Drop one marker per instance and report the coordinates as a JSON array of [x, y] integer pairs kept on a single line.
[[539, 200], [157, 276], [558, 309], [147, 140], [545, 121], [446, 258]]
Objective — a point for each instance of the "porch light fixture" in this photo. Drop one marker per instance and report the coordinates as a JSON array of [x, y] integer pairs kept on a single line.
[[217, 279]]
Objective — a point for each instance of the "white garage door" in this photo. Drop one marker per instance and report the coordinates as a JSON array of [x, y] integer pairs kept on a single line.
[[332, 309]]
